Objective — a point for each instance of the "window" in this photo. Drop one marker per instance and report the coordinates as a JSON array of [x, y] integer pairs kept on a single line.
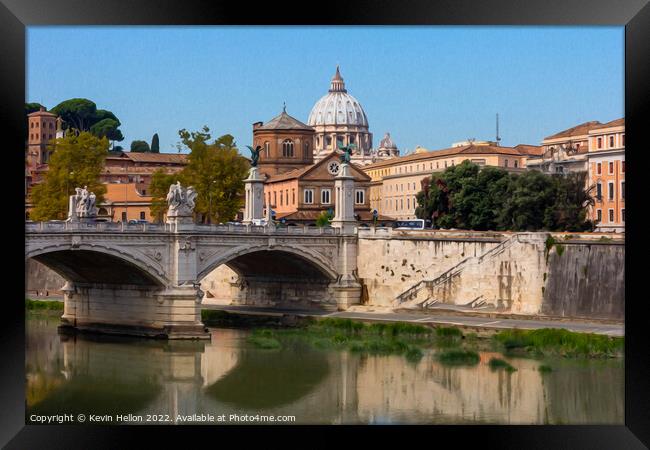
[[505, 163], [623, 215], [306, 148], [286, 197], [611, 167], [31, 125], [599, 215], [445, 164], [275, 198], [623, 166], [408, 203], [123, 216], [611, 141], [359, 196], [142, 215], [600, 143], [611, 215], [309, 196], [267, 149], [36, 124], [281, 198], [611, 191], [325, 196], [622, 140], [516, 163], [599, 168], [287, 148], [599, 191], [623, 190]]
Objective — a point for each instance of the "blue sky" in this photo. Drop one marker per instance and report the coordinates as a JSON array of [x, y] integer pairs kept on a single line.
[[427, 86]]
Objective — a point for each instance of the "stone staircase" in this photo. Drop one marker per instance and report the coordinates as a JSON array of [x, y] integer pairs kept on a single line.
[[420, 294]]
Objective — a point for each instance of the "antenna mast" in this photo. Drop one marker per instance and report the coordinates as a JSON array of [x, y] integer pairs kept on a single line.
[[498, 138]]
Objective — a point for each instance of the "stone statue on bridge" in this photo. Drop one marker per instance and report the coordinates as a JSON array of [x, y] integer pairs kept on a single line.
[[82, 205], [180, 201]]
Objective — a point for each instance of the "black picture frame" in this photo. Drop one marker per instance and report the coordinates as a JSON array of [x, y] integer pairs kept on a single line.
[[15, 15]]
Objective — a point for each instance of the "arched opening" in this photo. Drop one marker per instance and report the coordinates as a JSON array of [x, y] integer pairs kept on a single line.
[[95, 267], [270, 278]]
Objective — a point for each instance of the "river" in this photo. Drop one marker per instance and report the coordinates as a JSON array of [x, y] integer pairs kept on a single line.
[[169, 381]]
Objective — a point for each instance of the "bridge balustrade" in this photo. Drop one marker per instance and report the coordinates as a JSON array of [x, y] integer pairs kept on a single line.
[[61, 226]]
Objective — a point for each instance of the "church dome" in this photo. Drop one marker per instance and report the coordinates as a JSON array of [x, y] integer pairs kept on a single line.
[[338, 107]]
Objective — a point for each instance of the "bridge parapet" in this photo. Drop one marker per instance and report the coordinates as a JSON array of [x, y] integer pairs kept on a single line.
[[113, 227]]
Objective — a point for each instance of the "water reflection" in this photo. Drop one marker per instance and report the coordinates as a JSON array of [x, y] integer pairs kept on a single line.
[[227, 375]]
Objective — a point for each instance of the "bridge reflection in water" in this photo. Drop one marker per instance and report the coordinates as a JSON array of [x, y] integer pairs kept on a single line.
[[125, 376]]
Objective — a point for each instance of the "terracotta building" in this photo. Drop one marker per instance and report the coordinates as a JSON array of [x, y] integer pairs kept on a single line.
[[606, 165], [301, 195], [396, 182], [286, 142]]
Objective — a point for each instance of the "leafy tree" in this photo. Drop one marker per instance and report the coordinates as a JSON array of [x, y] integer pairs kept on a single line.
[[324, 219], [155, 144], [79, 113], [82, 114], [492, 199], [140, 146], [215, 170], [77, 161], [109, 128], [160, 182]]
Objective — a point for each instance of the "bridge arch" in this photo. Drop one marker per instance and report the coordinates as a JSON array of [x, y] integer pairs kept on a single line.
[[240, 259], [93, 263]]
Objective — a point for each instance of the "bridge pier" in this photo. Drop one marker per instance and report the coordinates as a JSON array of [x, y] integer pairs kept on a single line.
[[169, 313]]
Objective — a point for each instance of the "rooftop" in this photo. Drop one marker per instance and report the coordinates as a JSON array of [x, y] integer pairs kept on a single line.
[[284, 122]]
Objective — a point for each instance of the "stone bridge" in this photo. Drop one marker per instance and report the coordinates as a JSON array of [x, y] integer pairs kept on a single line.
[[144, 279]]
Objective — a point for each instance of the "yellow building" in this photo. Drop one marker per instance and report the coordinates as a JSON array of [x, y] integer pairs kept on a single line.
[[396, 182]]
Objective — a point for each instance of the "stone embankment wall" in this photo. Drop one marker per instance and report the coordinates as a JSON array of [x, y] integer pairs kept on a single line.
[[40, 280], [521, 273]]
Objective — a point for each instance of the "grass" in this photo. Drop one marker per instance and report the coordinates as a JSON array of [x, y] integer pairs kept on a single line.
[[497, 363], [459, 357], [41, 305], [553, 341]]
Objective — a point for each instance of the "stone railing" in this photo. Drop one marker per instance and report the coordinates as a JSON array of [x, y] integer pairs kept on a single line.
[[115, 227]]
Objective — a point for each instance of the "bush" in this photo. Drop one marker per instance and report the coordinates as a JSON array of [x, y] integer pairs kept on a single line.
[[545, 369], [496, 363], [465, 357]]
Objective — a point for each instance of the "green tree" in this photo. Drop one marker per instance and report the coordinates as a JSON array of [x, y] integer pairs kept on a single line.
[[82, 114], [467, 197], [160, 182], [140, 147], [78, 113], [109, 128], [324, 219], [77, 161], [215, 170], [155, 144]]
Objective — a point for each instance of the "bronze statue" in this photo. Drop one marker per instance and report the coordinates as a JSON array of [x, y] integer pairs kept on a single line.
[[347, 152], [255, 154]]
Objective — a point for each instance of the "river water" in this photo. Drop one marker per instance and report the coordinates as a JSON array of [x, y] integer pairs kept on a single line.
[[171, 381]]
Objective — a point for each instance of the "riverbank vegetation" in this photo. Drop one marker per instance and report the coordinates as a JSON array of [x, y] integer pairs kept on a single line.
[[553, 341], [411, 340], [43, 305]]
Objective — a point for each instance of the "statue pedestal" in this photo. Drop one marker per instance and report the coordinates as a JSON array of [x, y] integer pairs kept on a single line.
[[181, 223], [254, 197], [344, 201]]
